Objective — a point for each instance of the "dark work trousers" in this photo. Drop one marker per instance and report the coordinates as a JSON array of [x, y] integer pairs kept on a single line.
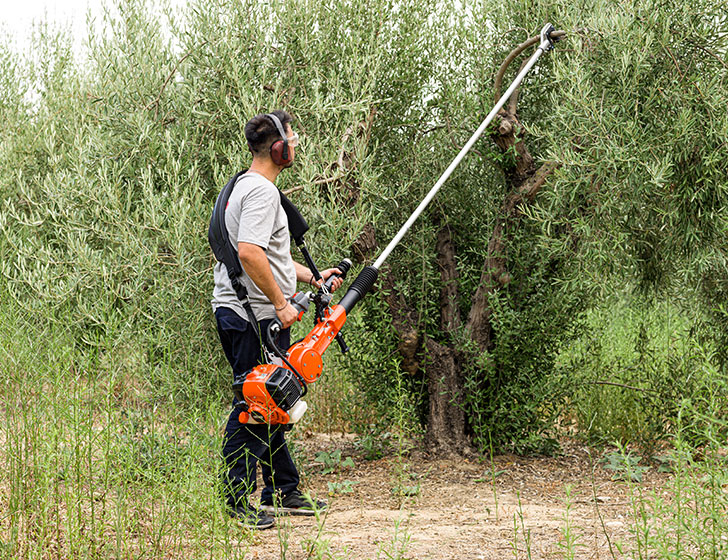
[[244, 445]]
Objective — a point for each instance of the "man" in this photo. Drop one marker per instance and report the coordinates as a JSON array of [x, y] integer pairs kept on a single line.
[[258, 227]]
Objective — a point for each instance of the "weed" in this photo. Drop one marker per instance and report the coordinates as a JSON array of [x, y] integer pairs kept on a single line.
[[630, 373], [686, 518], [373, 446], [332, 461], [569, 538], [396, 548], [407, 491], [519, 525], [665, 463], [625, 466], [342, 487], [318, 545], [283, 527]]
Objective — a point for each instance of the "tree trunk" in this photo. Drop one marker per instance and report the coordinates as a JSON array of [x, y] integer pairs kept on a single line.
[[446, 416], [447, 424]]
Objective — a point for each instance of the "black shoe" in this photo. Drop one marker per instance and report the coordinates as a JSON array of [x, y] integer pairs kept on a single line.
[[295, 503], [252, 518]]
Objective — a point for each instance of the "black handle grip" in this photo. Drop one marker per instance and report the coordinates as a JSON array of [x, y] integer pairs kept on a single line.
[[344, 267]]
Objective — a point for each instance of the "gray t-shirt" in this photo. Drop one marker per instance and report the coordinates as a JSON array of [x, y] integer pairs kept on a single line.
[[254, 215]]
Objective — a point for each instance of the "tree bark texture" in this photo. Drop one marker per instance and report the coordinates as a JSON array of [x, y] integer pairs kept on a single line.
[[446, 415]]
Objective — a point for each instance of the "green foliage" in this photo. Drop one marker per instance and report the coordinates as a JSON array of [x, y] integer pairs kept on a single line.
[[112, 380], [332, 461], [685, 517], [90, 476], [387, 393], [107, 191], [373, 446], [509, 396], [403, 491], [569, 542], [108, 171], [396, 547], [630, 375], [631, 113], [625, 466], [638, 126]]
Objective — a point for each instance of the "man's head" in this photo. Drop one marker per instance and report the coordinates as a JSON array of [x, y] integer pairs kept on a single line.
[[269, 135]]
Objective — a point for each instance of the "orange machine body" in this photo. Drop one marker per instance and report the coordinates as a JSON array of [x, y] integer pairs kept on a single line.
[[304, 356], [261, 406]]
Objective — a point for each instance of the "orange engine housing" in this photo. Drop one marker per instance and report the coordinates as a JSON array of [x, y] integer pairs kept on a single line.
[[266, 389], [270, 390]]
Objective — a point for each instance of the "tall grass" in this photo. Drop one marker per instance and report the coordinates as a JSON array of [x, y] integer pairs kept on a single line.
[[96, 465], [89, 472], [638, 362], [688, 517]]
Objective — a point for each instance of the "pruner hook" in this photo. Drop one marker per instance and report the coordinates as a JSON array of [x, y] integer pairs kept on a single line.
[[547, 41]]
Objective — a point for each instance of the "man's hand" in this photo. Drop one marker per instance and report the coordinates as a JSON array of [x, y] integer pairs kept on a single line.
[[255, 263], [287, 316], [325, 274]]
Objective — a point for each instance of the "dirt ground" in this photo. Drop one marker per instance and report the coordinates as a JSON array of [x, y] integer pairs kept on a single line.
[[456, 512]]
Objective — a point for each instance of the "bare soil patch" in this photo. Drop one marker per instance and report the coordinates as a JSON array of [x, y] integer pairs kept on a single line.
[[458, 511]]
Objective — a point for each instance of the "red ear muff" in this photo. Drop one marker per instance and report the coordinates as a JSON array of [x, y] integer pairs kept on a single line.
[[279, 150], [279, 153]]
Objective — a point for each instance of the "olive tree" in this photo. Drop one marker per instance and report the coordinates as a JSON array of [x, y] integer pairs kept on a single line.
[[609, 163]]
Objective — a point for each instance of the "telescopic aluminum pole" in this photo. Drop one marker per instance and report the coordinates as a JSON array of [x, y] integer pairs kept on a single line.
[[546, 44], [367, 277]]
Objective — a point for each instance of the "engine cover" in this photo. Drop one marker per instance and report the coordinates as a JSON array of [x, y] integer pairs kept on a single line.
[[269, 391]]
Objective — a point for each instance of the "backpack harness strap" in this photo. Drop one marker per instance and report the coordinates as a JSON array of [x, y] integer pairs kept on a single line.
[[226, 253]]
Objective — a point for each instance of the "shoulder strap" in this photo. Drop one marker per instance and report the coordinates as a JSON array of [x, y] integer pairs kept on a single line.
[[217, 234], [226, 253], [297, 225]]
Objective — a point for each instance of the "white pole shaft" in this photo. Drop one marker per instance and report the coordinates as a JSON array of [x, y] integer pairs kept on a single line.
[[397, 238]]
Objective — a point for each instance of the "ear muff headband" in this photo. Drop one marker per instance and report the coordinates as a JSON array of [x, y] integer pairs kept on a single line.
[[279, 148]]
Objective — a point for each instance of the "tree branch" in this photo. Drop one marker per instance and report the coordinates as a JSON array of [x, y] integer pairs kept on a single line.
[[532, 186], [342, 151], [294, 189], [507, 62], [679, 70], [494, 275], [339, 164], [514, 53], [621, 385], [513, 101]]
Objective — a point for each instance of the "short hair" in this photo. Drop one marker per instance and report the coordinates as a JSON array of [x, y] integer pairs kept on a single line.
[[261, 133]]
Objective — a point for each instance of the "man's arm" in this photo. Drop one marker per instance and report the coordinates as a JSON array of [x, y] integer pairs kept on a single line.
[[304, 274], [255, 263]]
